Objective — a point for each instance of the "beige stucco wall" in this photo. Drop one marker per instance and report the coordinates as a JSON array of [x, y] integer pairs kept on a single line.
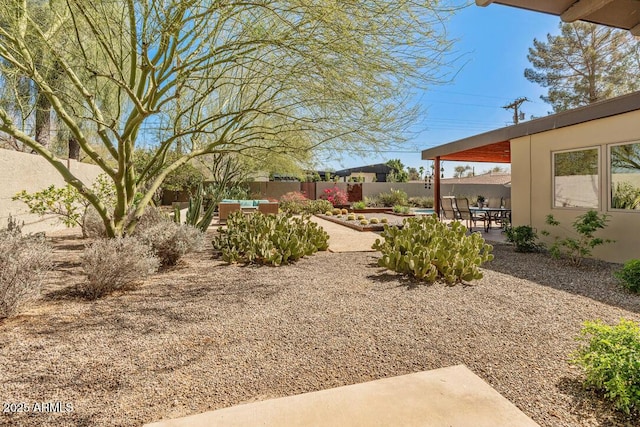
[[30, 172], [532, 181]]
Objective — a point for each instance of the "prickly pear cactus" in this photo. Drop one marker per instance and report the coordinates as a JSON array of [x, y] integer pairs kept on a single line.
[[269, 239], [430, 250]]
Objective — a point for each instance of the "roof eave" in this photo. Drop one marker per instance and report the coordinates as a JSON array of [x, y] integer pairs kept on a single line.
[[607, 108]]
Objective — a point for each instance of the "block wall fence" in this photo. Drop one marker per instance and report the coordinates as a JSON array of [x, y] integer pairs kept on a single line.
[[23, 171]]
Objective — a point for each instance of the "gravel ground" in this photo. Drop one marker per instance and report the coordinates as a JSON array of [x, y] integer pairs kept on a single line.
[[205, 335]]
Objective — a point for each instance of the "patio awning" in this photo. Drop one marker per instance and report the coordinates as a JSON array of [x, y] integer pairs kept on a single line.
[[623, 14], [495, 146]]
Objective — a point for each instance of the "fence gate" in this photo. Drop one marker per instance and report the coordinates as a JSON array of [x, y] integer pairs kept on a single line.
[[354, 192], [309, 189]]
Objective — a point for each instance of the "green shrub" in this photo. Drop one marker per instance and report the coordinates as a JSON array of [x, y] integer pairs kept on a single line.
[[24, 262], [401, 209], [585, 226], [610, 358], [313, 207], [524, 237], [372, 202], [421, 202], [428, 249], [625, 196], [629, 275], [168, 240], [294, 202], [113, 264], [268, 239], [392, 198], [359, 205]]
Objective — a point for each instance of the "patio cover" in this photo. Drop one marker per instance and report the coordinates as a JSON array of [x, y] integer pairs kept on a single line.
[[495, 146], [613, 13]]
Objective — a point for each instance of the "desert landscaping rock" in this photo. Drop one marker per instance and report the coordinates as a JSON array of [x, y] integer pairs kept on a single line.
[[206, 335]]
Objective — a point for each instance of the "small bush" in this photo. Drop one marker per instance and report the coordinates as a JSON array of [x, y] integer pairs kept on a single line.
[[113, 264], [421, 202], [351, 217], [392, 198], [629, 275], [328, 213], [372, 202], [313, 207], [335, 196], [359, 205], [384, 220], [364, 222], [428, 250], [360, 217], [272, 239], [374, 221], [171, 241], [24, 261], [401, 209], [610, 358], [578, 248], [92, 224], [524, 237], [294, 202], [336, 211]]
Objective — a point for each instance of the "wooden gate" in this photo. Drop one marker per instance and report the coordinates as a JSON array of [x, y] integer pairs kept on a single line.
[[354, 192], [309, 189]]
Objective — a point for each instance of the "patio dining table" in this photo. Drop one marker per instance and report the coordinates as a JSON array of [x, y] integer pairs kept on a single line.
[[492, 214]]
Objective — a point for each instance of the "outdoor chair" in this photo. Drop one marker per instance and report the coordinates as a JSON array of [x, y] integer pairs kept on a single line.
[[462, 206], [447, 206], [269, 208], [225, 208], [494, 202]]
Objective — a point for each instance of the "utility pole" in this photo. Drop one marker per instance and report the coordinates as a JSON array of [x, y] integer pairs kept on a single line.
[[515, 105]]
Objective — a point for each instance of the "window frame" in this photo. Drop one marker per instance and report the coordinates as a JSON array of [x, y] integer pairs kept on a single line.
[[610, 208], [598, 149]]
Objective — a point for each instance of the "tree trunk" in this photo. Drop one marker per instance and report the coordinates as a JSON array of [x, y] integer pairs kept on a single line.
[[43, 121], [74, 149]]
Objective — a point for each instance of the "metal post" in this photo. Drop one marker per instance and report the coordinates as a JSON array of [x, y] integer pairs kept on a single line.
[[436, 189]]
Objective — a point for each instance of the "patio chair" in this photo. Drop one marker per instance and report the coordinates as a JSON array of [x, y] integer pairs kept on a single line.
[[447, 206], [462, 206], [225, 208], [268, 208]]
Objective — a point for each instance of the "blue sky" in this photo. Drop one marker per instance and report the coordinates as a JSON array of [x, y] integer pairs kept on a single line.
[[494, 41]]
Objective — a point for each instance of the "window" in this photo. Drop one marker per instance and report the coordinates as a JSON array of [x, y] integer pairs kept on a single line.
[[624, 164], [576, 179]]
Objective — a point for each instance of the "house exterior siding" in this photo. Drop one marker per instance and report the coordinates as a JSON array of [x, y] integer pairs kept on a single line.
[[532, 190]]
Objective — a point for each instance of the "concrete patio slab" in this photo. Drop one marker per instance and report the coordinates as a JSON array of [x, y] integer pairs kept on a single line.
[[447, 397]]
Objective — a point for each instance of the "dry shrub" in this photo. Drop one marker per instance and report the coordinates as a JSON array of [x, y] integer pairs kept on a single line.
[[24, 261], [112, 264], [92, 224], [169, 241]]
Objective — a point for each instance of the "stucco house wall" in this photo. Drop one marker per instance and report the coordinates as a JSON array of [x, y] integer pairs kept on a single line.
[[532, 184]]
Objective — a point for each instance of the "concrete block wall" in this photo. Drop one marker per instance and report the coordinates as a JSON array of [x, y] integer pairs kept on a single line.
[[22, 171]]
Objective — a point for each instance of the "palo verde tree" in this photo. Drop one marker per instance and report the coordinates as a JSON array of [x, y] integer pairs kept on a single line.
[[195, 77], [585, 63]]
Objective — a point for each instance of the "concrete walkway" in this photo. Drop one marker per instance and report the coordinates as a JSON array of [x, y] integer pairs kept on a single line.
[[345, 239], [447, 397]]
